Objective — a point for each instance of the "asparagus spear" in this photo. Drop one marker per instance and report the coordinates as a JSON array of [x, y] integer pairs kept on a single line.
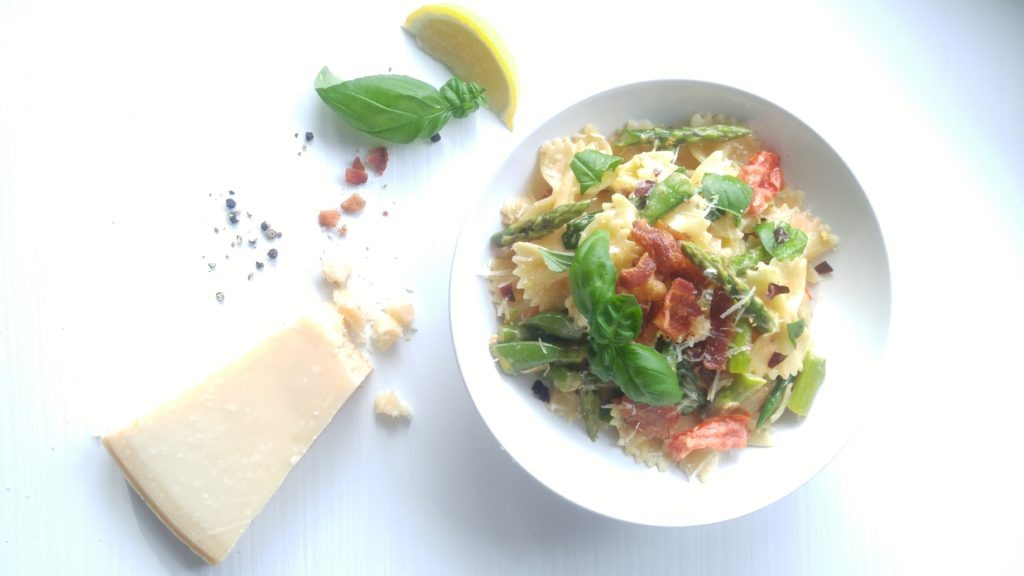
[[516, 357], [556, 324], [807, 383], [665, 138], [573, 230], [747, 260], [666, 195], [771, 404], [540, 225], [590, 405], [736, 288]]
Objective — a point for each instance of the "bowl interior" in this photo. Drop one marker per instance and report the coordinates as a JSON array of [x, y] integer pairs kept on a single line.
[[850, 325]]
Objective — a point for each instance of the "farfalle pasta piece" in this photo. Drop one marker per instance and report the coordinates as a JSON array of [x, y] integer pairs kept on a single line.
[[554, 160], [789, 273], [542, 287], [654, 166], [762, 350], [617, 218], [644, 449], [689, 218], [820, 239], [716, 163]]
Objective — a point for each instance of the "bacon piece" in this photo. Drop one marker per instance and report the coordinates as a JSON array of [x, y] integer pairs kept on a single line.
[[507, 292], [353, 203], [652, 421], [690, 271], [774, 290], [378, 159], [641, 282], [639, 274], [649, 332], [764, 175], [665, 250], [355, 177], [679, 310], [720, 433], [716, 345], [357, 164], [329, 218]]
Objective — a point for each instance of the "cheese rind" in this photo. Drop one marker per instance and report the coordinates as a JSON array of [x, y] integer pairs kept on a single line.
[[207, 462]]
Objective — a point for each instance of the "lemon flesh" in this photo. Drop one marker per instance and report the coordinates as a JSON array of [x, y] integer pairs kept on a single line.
[[471, 49]]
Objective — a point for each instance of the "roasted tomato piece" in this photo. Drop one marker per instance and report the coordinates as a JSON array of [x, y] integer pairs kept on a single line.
[[764, 175], [720, 433]]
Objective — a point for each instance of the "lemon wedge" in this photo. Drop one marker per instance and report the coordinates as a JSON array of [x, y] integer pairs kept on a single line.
[[471, 49]]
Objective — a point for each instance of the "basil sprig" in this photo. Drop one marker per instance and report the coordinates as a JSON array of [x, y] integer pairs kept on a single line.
[[781, 240], [615, 321], [726, 194], [556, 261], [395, 107], [589, 167]]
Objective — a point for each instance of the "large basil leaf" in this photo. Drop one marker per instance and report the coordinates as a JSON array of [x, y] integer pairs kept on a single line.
[[781, 240], [616, 320], [590, 165], [645, 375], [725, 194], [397, 108], [592, 274]]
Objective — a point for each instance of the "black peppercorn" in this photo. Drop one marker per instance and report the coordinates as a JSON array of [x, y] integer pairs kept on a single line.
[[272, 253], [230, 203], [435, 138]]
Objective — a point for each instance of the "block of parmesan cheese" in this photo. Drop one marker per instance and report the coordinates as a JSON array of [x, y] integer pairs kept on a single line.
[[208, 461]]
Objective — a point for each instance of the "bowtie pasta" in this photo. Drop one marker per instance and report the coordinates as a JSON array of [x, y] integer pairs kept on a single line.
[[658, 286]]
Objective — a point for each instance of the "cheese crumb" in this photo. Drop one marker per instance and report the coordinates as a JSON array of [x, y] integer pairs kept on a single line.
[[336, 269], [385, 331], [389, 404], [403, 313]]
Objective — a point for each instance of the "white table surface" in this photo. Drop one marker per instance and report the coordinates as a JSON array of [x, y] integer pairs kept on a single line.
[[123, 124]]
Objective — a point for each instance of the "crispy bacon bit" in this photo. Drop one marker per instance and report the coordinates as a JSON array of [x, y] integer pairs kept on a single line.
[[720, 433], [355, 177], [329, 218], [716, 346], [690, 271], [643, 188], [353, 203], [652, 421], [764, 175], [639, 274], [343, 231], [357, 164], [663, 248], [507, 292], [649, 332], [378, 159], [679, 310], [774, 290], [776, 359], [823, 267]]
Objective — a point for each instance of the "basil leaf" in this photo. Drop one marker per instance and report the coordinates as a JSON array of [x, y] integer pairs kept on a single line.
[[601, 360], [645, 375], [794, 330], [592, 275], [590, 165], [725, 194], [616, 320], [781, 240], [397, 108], [556, 261]]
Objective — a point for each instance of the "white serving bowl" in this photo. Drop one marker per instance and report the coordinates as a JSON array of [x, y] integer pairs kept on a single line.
[[850, 325]]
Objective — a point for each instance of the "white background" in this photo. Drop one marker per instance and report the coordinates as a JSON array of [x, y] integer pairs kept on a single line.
[[123, 125]]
